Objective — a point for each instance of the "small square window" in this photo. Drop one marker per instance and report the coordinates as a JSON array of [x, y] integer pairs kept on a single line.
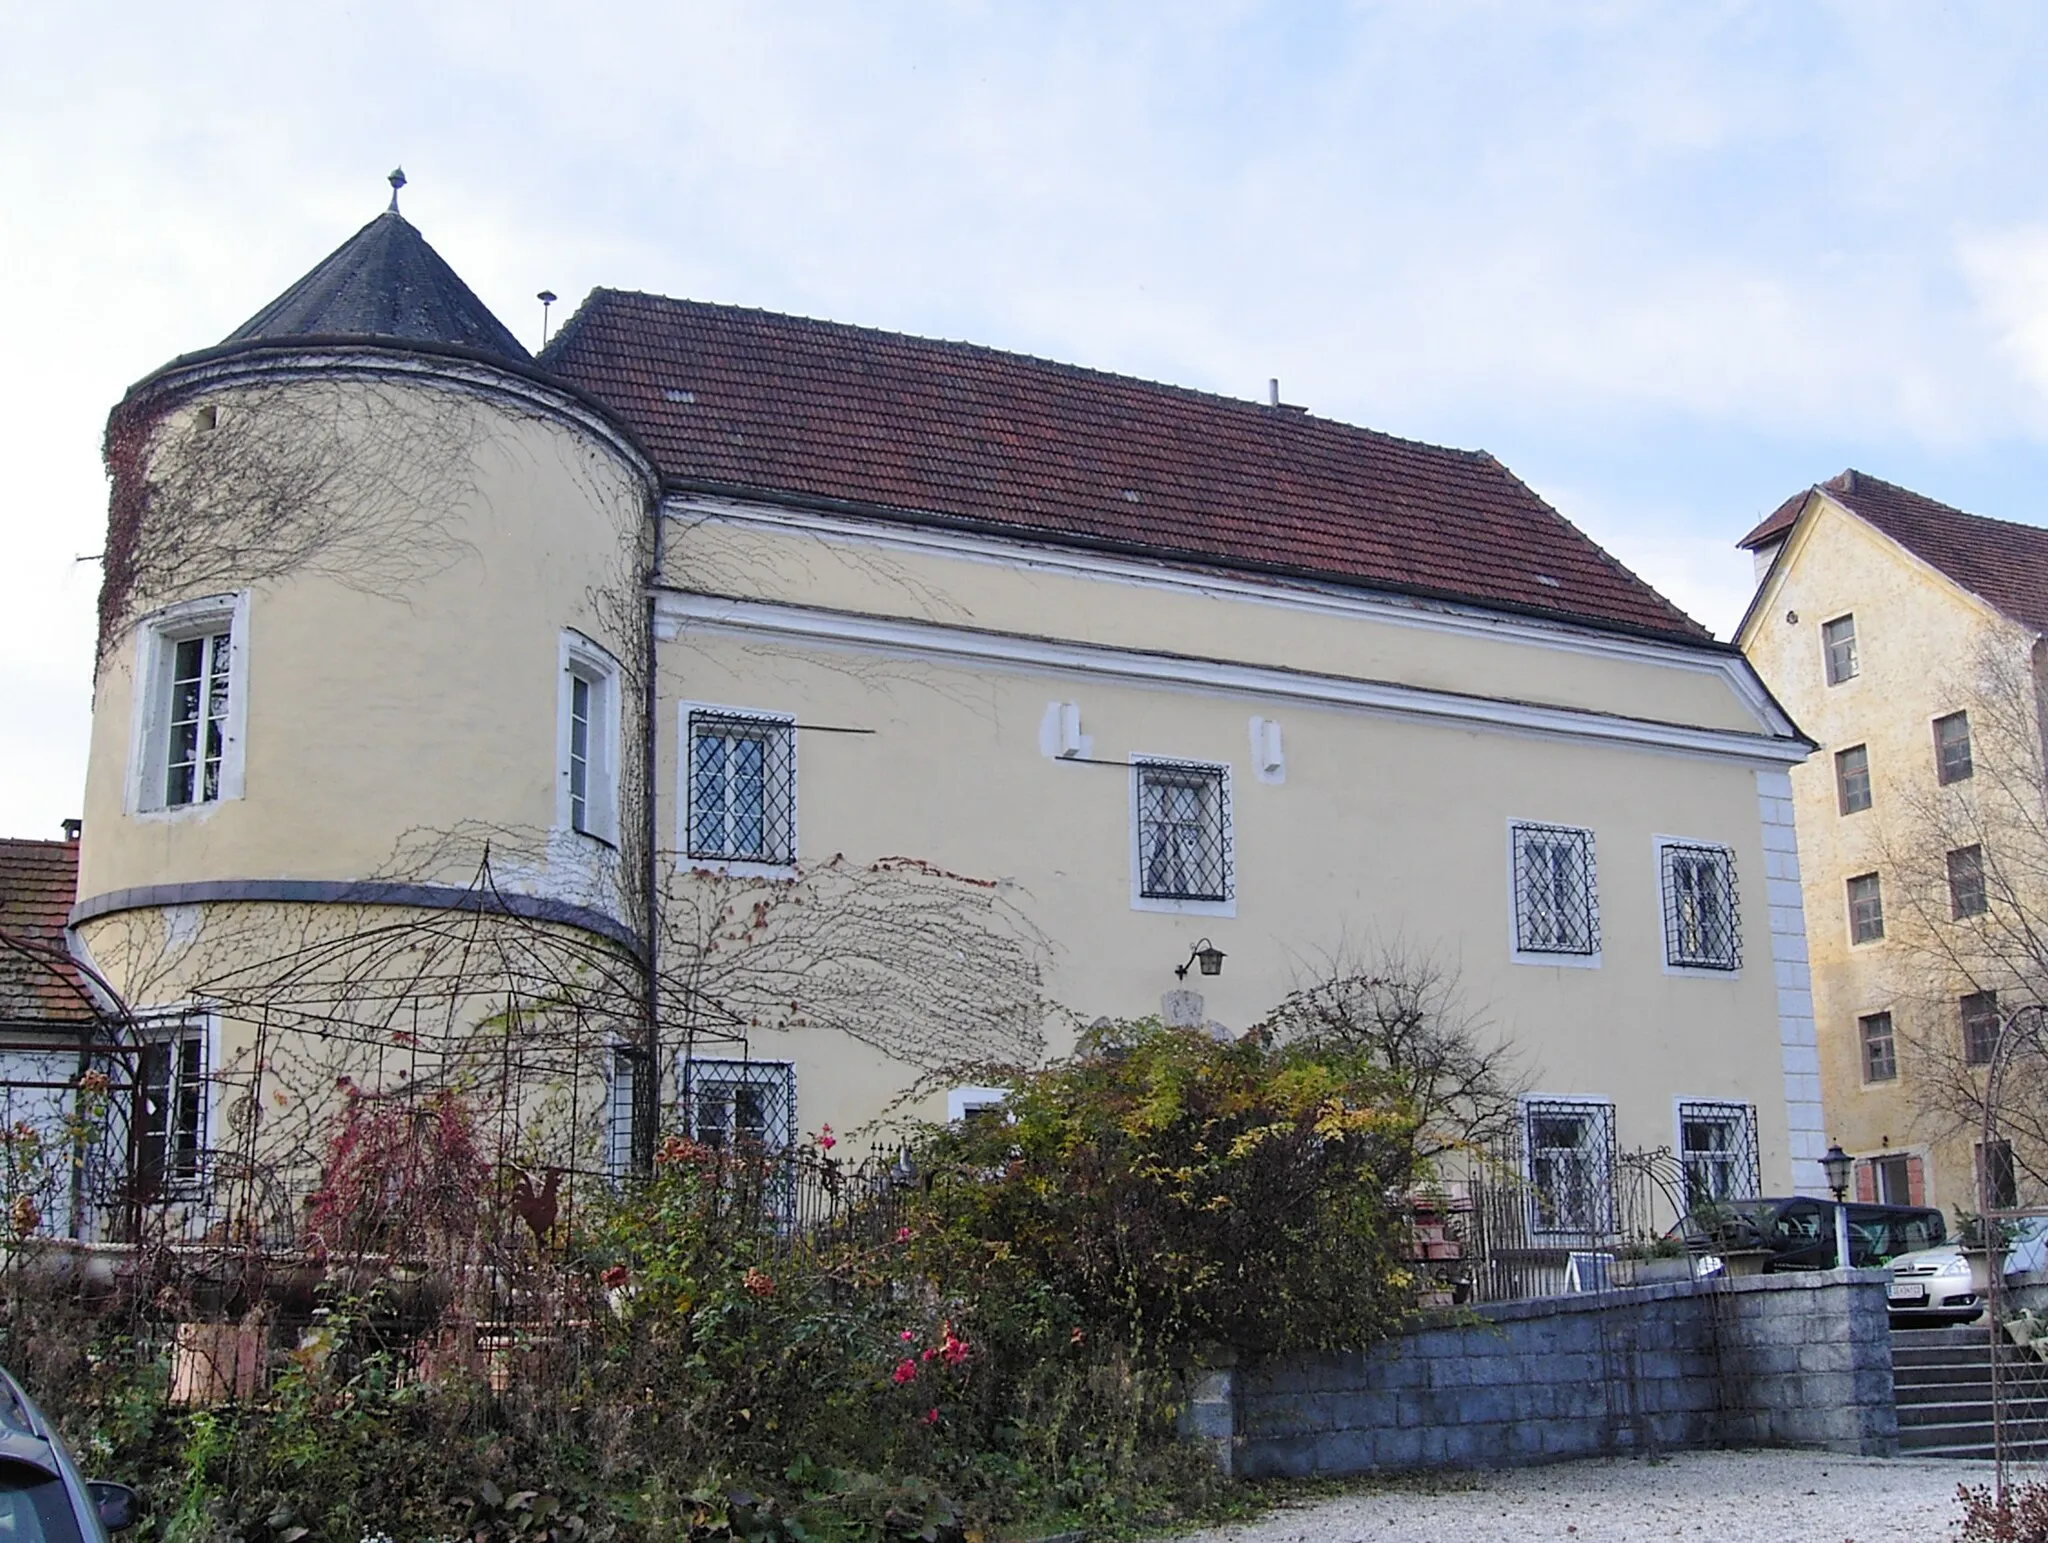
[[1852, 779], [740, 786], [1717, 1152], [1966, 895], [1701, 925], [1557, 908], [1183, 831], [1866, 909], [745, 1106], [1952, 759], [1880, 1047], [1978, 1013], [1838, 640]]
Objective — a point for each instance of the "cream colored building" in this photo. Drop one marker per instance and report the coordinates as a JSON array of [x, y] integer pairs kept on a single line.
[[1905, 636], [836, 712]]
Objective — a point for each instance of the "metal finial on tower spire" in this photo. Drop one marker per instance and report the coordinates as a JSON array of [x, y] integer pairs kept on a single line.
[[397, 181]]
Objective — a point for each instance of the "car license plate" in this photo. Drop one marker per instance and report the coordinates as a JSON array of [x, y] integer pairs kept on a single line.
[[1906, 1291]]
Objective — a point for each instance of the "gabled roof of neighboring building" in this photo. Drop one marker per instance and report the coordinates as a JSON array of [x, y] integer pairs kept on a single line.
[[2002, 563], [754, 403], [38, 984], [384, 282]]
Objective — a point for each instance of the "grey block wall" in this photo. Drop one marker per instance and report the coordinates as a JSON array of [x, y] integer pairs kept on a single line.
[[1775, 1360]]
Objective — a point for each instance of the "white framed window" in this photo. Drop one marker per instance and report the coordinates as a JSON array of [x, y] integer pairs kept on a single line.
[[1702, 921], [587, 740], [170, 1121], [969, 1103], [1717, 1151], [621, 1094], [1181, 842], [190, 706], [1569, 1144], [1838, 649], [739, 786], [1554, 893], [746, 1106]]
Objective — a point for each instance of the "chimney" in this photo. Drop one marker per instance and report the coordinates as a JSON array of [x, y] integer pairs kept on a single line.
[[72, 828]]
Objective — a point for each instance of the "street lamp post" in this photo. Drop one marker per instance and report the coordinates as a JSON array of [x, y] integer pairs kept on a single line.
[[1837, 1165]]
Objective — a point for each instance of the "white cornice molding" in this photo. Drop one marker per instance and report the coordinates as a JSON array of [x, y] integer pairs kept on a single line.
[[1292, 594], [676, 610]]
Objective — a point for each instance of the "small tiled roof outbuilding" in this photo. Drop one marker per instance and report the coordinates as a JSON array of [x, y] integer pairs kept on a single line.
[[2004, 564], [38, 985], [758, 404]]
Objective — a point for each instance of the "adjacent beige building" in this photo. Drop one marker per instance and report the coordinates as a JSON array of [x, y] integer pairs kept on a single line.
[[748, 724], [1906, 637]]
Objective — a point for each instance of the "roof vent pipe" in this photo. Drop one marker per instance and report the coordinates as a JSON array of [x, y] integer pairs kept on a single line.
[[1273, 392]]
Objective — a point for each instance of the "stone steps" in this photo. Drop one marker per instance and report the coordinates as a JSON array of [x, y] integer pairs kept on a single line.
[[1941, 1380]]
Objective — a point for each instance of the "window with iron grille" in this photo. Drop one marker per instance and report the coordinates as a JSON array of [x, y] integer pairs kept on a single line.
[[1701, 922], [1966, 895], [1570, 1145], [1866, 909], [1557, 905], [1998, 1180], [1838, 641], [1717, 1152], [622, 1088], [1183, 830], [746, 1106], [1952, 758], [1880, 1047], [169, 1124], [1852, 779], [740, 786], [1978, 1013]]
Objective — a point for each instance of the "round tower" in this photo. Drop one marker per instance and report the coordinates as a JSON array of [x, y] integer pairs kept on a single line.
[[369, 729]]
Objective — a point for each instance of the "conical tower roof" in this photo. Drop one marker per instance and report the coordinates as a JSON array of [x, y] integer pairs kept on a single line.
[[384, 282]]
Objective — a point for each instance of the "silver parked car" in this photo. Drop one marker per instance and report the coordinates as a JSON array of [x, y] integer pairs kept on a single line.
[[1937, 1284], [42, 1497]]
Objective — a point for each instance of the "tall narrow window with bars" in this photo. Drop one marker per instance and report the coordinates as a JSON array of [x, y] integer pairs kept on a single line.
[[1570, 1145], [740, 786], [1717, 1152], [1998, 1179], [1183, 831], [1702, 924], [1557, 906]]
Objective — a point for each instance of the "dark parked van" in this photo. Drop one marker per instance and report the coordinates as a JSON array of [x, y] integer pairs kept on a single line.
[[1799, 1232]]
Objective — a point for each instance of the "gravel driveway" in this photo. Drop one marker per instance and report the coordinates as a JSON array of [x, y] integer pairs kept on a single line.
[[1717, 1497]]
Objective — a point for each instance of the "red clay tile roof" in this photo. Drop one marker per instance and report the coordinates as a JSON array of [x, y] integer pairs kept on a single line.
[[38, 883], [1996, 560], [752, 402], [1777, 522]]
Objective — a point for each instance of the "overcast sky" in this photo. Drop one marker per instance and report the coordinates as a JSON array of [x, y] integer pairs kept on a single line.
[[1670, 263]]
